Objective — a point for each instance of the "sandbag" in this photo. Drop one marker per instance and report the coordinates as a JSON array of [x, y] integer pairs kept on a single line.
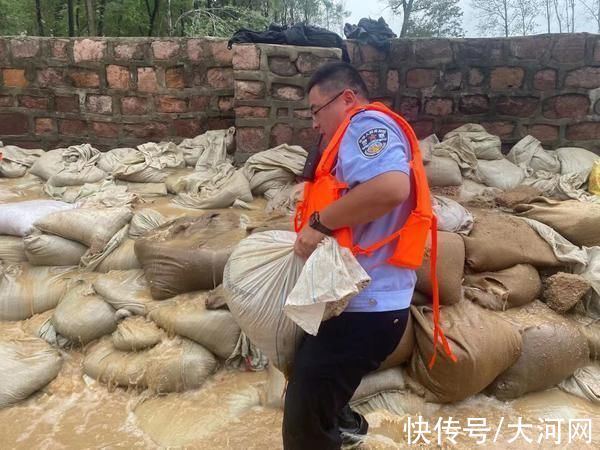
[[105, 194], [260, 275], [48, 164], [93, 227], [590, 329], [26, 366], [528, 153], [562, 291], [125, 289], [215, 142], [27, 290], [584, 383], [136, 333], [499, 241], [505, 289], [579, 222], [121, 258], [12, 250], [485, 145], [77, 166], [188, 254], [145, 220], [51, 250], [17, 218], [443, 171], [501, 174], [403, 350], [516, 196], [576, 160], [477, 193], [594, 180], [82, 315], [173, 365], [450, 268], [186, 315], [551, 351], [40, 325], [484, 344], [15, 160], [426, 146], [452, 216]]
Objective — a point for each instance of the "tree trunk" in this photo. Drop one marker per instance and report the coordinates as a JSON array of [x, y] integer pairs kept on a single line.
[[152, 14], [40, 20], [101, 11], [573, 16], [91, 17], [548, 14], [406, 10], [505, 18], [70, 21], [557, 16]]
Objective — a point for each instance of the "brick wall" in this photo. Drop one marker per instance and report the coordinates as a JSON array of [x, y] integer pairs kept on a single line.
[[122, 91]]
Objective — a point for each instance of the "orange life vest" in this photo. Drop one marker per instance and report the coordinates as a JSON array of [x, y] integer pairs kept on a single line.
[[411, 238]]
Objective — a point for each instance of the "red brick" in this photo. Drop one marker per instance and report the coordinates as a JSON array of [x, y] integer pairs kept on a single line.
[[88, 50], [117, 77], [147, 81], [408, 107], [249, 90], [45, 125], [569, 48], [24, 48], [13, 124], [195, 49], [517, 106], [99, 104], [72, 127], [529, 47], [445, 127], [31, 102], [6, 100], [105, 129], [162, 49], [422, 128], [370, 54], [282, 66], [583, 131], [14, 78], [189, 127], [306, 137], [392, 81], [220, 53], [476, 77], [452, 81], [67, 104], [499, 128], [439, 106], [168, 104], [84, 78], [200, 103], [134, 105], [283, 112], [220, 78], [474, 104], [225, 104], [507, 78], [371, 79], [544, 133], [246, 57], [587, 78], [421, 78], [568, 105], [175, 77], [433, 51], [59, 48], [251, 139], [281, 134], [128, 51], [152, 130], [50, 78], [218, 123], [545, 80], [287, 93]]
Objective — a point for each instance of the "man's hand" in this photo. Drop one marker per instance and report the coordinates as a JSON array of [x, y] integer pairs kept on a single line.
[[307, 241]]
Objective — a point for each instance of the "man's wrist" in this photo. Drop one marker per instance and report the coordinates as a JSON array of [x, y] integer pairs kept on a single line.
[[316, 224]]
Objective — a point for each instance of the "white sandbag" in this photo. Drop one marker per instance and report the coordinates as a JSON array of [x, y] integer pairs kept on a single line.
[[77, 167], [442, 171], [125, 289], [136, 333], [260, 274], [18, 218], [584, 383], [82, 315], [501, 174], [452, 216], [51, 250], [105, 194], [575, 159], [12, 250], [462, 152], [93, 227], [485, 145], [27, 290], [26, 366], [15, 160], [145, 220], [426, 146], [48, 164], [528, 153], [472, 191], [286, 199], [215, 143]]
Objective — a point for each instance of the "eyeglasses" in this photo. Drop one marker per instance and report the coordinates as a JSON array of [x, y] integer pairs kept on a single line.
[[316, 111]]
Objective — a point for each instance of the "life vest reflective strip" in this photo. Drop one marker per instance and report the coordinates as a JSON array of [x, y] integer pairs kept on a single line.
[[411, 237]]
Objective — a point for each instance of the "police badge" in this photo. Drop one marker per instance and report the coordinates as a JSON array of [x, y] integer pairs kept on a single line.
[[373, 142]]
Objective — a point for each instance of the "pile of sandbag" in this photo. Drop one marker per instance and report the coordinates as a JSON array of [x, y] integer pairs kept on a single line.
[[16, 161]]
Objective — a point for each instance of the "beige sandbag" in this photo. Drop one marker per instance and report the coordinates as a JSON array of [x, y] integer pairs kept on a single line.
[[484, 344], [216, 298], [584, 383], [442, 171], [26, 366], [145, 220], [576, 160], [404, 349], [27, 290], [562, 291], [552, 350], [499, 241], [477, 193], [17, 219], [426, 146], [577, 221], [93, 227], [51, 250], [216, 143], [188, 254], [485, 145], [504, 289], [590, 329], [12, 250], [125, 289], [40, 325], [48, 164], [173, 365], [77, 167], [451, 215], [528, 153], [450, 268], [82, 315], [15, 160], [121, 258], [513, 197], [501, 174], [136, 333]]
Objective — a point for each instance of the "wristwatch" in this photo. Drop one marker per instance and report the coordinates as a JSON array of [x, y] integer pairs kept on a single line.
[[315, 222]]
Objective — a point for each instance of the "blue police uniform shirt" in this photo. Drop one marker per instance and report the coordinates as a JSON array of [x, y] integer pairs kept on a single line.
[[373, 145]]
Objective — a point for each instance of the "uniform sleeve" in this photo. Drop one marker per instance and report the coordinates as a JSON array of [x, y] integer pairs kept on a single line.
[[371, 147]]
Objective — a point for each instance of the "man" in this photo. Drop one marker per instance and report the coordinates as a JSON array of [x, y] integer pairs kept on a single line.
[[369, 154]]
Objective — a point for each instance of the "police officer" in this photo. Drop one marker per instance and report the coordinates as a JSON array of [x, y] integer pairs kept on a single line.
[[373, 158]]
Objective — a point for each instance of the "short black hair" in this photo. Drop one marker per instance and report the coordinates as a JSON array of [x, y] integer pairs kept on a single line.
[[336, 76]]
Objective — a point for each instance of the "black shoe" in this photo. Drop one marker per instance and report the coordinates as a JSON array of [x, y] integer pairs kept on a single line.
[[353, 426]]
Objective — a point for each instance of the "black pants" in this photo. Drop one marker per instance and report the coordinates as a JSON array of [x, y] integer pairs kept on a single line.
[[327, 370]]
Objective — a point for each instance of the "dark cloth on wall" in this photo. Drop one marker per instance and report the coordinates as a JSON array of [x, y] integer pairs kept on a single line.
[[376, 33]]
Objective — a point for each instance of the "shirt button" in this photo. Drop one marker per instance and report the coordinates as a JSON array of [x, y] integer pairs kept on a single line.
[[372, 301]]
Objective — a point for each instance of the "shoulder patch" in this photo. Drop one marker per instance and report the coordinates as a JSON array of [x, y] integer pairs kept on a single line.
[[372, 142]]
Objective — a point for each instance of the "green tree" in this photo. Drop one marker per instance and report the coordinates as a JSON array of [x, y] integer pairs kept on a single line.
[[429, 18]]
